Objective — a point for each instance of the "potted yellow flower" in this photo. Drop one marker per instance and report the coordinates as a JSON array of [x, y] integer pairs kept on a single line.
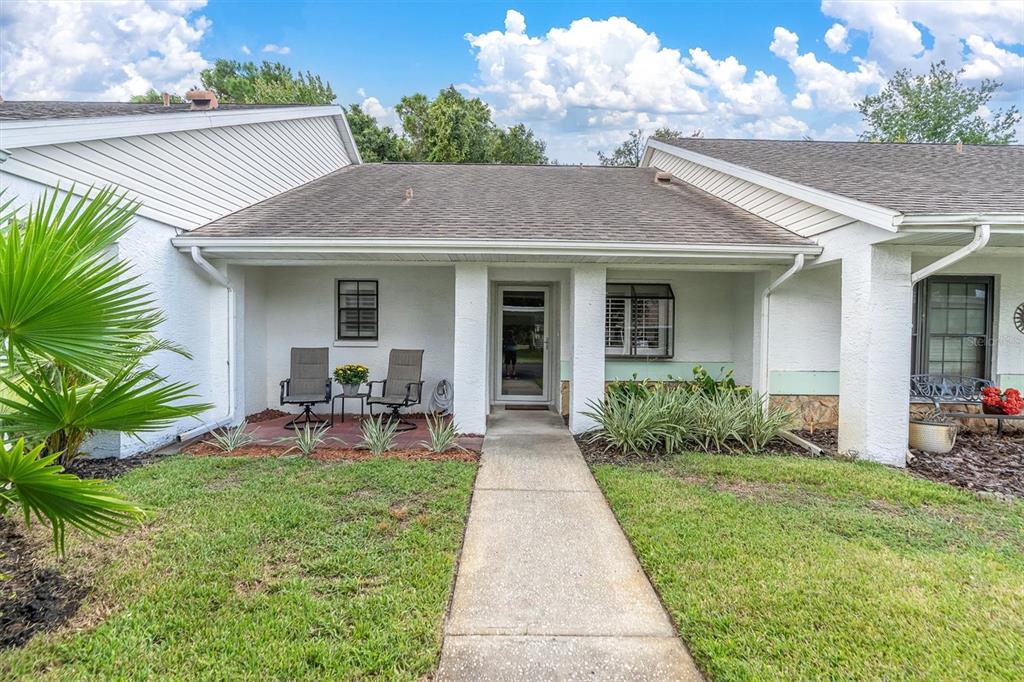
[[351, 377]]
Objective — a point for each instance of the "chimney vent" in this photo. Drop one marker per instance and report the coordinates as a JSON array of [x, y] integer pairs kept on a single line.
[[663, 177], [166, 96], [959, 146], [201, 100]]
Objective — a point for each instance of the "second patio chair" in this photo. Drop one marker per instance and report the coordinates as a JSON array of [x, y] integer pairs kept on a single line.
[[402, 388]]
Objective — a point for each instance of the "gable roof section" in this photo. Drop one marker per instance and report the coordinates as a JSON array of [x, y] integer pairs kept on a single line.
[[498, 203], [913, 179], [39, 110]]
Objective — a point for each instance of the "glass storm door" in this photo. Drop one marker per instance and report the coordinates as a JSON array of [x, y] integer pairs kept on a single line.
[[523, 344]]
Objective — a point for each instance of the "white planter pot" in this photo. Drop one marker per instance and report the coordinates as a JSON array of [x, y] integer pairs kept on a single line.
[[932, 437], [350, 389]]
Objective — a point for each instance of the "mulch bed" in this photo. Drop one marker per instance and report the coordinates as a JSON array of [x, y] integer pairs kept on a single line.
[[266, 415], [982, 462], [34, 596], [205, 449], [108, 467]]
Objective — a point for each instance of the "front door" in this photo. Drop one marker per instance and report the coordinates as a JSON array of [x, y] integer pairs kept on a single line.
[[522, 344]]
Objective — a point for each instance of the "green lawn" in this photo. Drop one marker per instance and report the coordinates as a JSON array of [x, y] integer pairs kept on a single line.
[[266, 569], [791, 568]]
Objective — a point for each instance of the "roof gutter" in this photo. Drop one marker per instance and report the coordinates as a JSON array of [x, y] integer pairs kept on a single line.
[[218, 277], [798, 265], [982, 233]]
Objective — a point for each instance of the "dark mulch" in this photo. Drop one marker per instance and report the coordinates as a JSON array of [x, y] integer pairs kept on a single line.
[[980, 461], [34, 597], [266, 415], [108, 467], [826, 439]]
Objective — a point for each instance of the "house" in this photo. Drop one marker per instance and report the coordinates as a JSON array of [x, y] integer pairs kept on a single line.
[[821, 273]]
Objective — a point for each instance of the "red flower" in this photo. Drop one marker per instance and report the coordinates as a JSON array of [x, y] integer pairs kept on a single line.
[[1010, 402]]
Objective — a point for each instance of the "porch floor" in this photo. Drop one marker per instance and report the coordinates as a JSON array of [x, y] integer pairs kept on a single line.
[[267, 432]]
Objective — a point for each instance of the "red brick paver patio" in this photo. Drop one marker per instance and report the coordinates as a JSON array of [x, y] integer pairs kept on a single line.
[[267, 432]]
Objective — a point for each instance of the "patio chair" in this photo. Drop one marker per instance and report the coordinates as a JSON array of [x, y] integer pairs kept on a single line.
[[402, 388], [308, 385]]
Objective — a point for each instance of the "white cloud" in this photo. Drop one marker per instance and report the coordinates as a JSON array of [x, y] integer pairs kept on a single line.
[[609, 64], [802, 101], [761, 95], [274, 48], [386, 116], [836, 37], [245, 49], [905, 33], [100, 51], [832, 88]]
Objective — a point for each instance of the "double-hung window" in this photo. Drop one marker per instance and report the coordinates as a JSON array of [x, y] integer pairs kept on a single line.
[[953, 326], [639, 320], [358, 310]]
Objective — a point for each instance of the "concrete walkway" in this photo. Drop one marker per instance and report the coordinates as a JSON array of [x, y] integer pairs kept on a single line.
[[548, 587]]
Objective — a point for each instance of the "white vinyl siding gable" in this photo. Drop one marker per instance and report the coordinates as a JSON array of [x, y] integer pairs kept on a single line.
[[188, 178], [794, 214]]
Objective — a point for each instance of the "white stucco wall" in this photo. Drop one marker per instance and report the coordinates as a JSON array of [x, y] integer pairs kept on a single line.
[[417, 310], [713, 324], [190, 304]]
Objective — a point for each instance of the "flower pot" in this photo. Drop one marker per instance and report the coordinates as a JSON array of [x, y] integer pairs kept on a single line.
[[992, 409], [932, 437], [350, 389]]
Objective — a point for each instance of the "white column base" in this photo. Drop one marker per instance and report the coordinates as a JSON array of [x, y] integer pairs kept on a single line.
[[587, 314], [875, 355], [471, 402]]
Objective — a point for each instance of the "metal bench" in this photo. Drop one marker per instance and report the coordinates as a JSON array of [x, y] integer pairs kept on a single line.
[[946, 388]]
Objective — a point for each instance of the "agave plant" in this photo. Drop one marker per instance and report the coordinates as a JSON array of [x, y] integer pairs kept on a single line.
[[629, 422], [442, 435], [39, 485], [308, 439], [378, 434], [762, 422], [76, 326], [229, 440]]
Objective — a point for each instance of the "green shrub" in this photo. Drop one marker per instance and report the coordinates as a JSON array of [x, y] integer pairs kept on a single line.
[[378, 434], [307, 439], [441, 433], [661, 417], [229, 440]]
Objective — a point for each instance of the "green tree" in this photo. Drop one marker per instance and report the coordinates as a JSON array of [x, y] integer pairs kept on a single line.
[[631, 151], [151, 96], [268, 83], [935, 107], [375, 142], [519, 145]]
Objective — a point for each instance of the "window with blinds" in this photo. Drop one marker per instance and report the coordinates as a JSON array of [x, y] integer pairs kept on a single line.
[[639, 320]]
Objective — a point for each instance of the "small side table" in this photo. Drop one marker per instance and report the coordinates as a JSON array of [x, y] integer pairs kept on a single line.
[[361, 397]]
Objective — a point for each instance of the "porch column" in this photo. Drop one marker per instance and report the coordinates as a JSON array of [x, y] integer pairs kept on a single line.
[[587, 310], [470, 366], [875, 354]]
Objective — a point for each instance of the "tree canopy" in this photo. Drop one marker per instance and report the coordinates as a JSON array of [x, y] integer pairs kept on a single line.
[[451, 128], [151, 96], [936, 107], [266, 83]]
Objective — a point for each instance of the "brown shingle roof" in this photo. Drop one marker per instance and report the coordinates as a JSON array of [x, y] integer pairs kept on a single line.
[[910, 178], [500, 202], [30, 111]]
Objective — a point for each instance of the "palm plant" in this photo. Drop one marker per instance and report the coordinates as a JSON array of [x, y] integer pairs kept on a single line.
[[76, 326], [37, 483], [378, 434], [442, 435]]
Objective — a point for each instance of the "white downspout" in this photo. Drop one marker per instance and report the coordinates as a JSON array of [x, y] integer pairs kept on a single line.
[[798, 265], [982, 233], [216, 275]]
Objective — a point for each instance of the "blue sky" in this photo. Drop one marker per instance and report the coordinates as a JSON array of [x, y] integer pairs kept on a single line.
[[581, 74]]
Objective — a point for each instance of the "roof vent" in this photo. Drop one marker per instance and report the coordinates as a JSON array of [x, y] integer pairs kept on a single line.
[[201, 100], [959, 146], [663, 177]]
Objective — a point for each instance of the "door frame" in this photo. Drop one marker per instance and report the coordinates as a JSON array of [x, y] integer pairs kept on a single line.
[[549, 351]]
